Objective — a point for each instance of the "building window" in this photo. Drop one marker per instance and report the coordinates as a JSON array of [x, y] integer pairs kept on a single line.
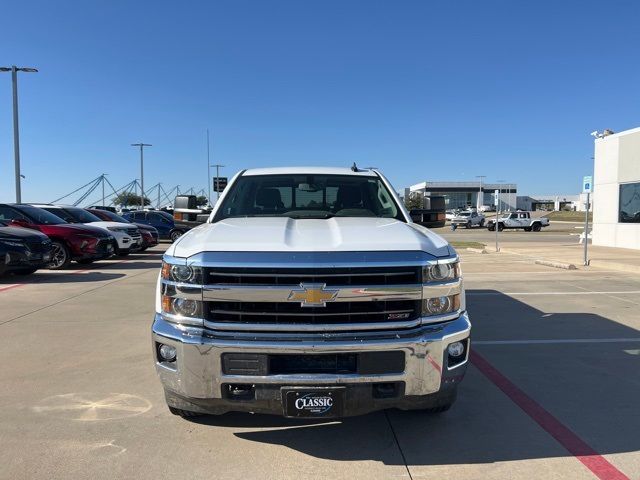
[[629, 203]]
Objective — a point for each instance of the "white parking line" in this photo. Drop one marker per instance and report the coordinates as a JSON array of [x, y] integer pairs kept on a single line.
[[617, 292], [559, 341]]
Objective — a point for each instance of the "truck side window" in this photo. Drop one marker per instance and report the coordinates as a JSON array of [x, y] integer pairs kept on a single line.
[[513, 215]]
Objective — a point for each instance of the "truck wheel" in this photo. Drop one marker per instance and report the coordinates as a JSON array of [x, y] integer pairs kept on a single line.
[[60, 256], [184, 413], [467, 225], [536, 227], [491, 228], [500, 227], [482, 223], [527, 229]]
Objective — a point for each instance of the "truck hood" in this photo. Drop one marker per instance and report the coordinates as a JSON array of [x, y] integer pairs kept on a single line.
[[283, 234]]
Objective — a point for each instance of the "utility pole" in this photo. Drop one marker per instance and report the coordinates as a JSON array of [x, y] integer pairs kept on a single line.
[[208, 170], [16, 135], [218, 167], [103, 189], [141, 145]]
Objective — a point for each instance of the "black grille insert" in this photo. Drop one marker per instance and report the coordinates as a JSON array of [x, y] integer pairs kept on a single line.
[[294, 313], [330, 276], [364, 363]]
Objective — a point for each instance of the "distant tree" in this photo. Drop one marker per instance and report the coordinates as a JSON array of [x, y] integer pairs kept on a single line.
[[414, 201], [202, 200], [129, 199]]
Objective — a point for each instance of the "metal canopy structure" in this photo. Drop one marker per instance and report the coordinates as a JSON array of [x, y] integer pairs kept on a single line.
[[82, 196]]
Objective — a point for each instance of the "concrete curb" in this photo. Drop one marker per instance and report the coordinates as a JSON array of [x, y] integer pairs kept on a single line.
[[548, 263], [476, 250]]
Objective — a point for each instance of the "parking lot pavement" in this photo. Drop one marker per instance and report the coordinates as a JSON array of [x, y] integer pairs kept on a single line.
[[552, 390]]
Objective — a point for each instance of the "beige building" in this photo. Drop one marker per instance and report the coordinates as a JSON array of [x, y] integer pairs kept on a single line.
[[616, 183]]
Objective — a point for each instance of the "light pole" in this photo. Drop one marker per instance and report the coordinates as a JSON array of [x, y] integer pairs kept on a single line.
[[498, 212], [16, 135], [141, 145], [208, 170], [218, 167]]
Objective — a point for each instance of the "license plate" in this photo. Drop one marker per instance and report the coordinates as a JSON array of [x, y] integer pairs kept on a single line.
[[313, 402]]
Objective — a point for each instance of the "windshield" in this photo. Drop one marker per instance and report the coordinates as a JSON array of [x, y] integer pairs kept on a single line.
[[40, 216], [114, 217], [78, 215], [308, 196]]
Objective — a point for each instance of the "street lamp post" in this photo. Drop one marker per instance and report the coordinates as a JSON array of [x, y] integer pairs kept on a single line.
[[16, 135], [208, 170], [141, 145]]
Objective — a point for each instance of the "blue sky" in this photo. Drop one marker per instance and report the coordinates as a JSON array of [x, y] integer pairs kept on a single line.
[[423, 90]]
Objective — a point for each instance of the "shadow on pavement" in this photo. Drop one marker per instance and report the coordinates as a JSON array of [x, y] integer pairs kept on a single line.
[[61, 277], [590, 388]]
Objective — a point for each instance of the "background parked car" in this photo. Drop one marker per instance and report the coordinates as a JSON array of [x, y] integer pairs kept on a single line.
[[23, 251], [149, 234], [81, 243], [162, 221], [127, 236]]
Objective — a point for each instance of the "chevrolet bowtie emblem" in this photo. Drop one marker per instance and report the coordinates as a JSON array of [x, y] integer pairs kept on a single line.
[[313, 295]]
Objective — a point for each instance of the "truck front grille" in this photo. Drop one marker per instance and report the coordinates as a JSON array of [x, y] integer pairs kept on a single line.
[[258, 299], [294, 313]]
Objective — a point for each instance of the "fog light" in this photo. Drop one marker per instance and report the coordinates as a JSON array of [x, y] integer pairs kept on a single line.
[[456, 349], [168, 353]]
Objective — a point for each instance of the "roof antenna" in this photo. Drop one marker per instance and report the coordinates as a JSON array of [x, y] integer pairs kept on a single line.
[[354, 167]]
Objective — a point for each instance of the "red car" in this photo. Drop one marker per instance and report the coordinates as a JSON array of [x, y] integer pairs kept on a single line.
[[81, 243]]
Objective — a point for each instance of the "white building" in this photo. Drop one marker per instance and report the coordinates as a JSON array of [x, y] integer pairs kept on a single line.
[[616, 183], [467, 194], [576, 203]]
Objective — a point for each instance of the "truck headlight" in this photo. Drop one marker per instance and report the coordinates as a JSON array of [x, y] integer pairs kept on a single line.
[[441, 272], [440, 305], [181, 307], [182, 273]]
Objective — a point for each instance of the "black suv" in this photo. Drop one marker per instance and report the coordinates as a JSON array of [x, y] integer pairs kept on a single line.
[[22, 251]]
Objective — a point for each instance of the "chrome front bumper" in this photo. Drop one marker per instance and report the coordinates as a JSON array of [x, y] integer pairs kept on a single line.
[[197, 371]]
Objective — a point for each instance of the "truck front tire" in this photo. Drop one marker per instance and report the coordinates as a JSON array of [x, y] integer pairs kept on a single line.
[[536, 227]]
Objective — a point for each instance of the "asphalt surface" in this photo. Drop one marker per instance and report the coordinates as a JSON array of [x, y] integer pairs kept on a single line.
[[552, 391]]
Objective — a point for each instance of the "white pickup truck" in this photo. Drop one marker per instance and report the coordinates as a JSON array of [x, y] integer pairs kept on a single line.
[[517, 220], [468, 219], [310, 293]]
